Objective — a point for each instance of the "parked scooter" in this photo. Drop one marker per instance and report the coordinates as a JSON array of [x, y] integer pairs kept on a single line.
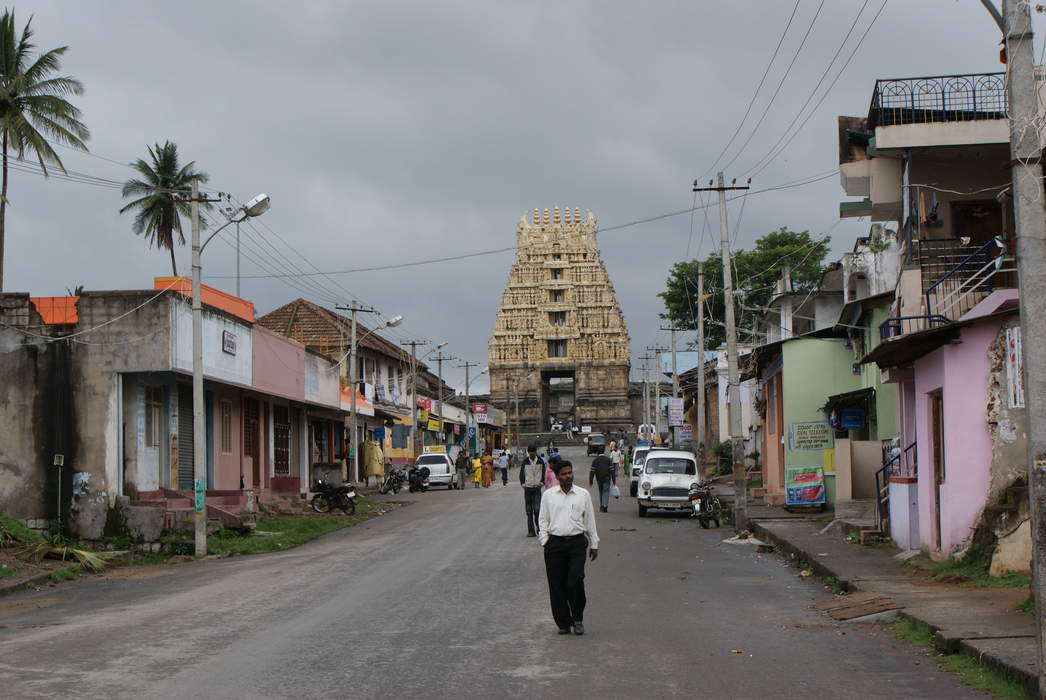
[[419, 479], [331, 496], [394, 478], [707, 507]]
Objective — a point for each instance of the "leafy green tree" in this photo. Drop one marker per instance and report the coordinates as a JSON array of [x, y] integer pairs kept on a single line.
[[33, 108], [756, 273], [160, 192]]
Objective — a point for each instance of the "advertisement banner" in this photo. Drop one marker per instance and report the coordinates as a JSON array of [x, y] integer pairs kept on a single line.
[[675, 412], [424, 402], [423, 415], [685, 432], [804, 486], [434, 449], [810, 435], [433, 425]]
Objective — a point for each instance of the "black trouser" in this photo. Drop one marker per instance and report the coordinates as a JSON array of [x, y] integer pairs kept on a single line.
[[532, 504], [565, 567]]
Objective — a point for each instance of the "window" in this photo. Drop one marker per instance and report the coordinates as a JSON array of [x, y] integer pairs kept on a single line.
[[225, 427], [557, 273], [153, 415], [556, 295], [250, 428], [557, 318], [556, 256], [557, 348], [663, 465]]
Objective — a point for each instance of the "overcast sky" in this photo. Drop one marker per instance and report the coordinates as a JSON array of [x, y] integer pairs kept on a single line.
[[389, 132]]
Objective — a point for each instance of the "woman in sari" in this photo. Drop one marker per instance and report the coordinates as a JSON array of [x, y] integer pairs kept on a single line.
[[487, 469]]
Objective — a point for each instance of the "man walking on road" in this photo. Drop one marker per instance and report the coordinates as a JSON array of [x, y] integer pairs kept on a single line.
[[461, 467], [503, 466], [532, 478], [567, 530], [604, 474]]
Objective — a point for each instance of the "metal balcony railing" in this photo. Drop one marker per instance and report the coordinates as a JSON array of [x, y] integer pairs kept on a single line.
[[944, 98]]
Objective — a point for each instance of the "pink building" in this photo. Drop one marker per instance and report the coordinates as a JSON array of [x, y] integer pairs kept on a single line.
[[961, 410]]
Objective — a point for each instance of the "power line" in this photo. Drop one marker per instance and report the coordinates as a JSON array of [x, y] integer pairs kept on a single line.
[[780, 85], [755, 94], [827, 91], [813, 92]]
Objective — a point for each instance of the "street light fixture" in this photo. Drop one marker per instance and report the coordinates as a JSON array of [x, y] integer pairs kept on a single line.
[[256, 207]]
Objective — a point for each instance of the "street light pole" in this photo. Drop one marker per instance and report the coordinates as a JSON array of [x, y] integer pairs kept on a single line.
[[256, 207]]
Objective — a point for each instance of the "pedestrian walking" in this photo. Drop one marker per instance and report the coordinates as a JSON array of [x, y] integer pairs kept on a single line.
[[615, 459], [603, 473], [477, 470], [461, 468], [532, 475], [567, 531], [487, 463], [503, 466]]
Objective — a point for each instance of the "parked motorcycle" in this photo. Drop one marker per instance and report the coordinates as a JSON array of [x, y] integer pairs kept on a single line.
[[419, 480], [706, 505], [332, 496], [394, 479]]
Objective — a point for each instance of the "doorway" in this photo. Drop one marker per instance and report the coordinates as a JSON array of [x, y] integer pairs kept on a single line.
[[937, 428], [557, 393]]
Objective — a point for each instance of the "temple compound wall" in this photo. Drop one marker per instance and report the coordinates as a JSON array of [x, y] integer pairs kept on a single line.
[[559, 349]]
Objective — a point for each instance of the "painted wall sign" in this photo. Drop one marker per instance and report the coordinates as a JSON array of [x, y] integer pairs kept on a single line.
[[804, 486], [810, 435], [228, 342]]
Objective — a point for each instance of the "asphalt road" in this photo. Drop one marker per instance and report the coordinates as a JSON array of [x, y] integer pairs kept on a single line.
[[447, 599]]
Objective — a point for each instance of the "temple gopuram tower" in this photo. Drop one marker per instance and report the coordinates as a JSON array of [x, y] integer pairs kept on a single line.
[[560, 349]]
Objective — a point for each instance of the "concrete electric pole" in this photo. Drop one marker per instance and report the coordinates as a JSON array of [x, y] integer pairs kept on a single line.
[[701, 365], [354, 441], [414, 394], [1026, 154], [736, 439], [646, 390], [440, 357]]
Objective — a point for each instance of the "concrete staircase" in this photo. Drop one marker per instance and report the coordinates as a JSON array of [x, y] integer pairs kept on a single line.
[[858, 516], [223, 508]]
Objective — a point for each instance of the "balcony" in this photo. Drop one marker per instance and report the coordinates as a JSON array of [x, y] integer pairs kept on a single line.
[[954, 276], [945, 98]]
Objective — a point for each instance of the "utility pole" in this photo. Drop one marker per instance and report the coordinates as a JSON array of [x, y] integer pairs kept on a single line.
[[675, 378], [414, 393], [354, 442], [646, 390], [657, 350], [736, 439], [1026, 154], [468, 404], [440, 357], [701, 365]]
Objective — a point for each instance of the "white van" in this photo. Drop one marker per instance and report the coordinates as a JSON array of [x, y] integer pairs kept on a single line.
[[441, 468]]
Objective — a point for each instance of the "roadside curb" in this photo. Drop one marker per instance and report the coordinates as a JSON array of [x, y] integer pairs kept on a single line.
[[1027, 677], [17, 587]]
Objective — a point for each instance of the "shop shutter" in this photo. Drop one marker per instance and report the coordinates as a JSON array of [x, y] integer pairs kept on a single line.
[[185, 447]]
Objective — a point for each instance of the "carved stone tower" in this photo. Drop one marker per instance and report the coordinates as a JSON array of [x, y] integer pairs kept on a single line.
[[560, 349]]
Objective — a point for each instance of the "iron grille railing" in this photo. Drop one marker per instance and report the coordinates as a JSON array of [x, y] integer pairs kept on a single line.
[[944, 98]]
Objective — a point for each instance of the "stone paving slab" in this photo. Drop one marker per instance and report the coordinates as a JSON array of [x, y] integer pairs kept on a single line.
[[980, 621]]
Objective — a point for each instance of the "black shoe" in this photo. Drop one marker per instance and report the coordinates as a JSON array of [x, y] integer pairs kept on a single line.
[[579, 628], [564, 630], [531, 534]]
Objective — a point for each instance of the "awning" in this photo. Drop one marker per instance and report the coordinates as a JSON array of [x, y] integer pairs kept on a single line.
[[860, 398]]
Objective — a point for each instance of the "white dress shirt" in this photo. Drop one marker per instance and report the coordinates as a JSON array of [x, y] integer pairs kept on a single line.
[[566, 514]]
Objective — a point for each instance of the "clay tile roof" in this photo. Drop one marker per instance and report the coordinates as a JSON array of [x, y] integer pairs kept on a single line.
[[320, 329]]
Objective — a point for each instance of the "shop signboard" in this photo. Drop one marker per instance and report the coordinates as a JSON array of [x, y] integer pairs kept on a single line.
[[423, 415], [810, 435], [804, 486], [433, 425], [480, 412], [434, 449], [586, 429], [675, 412], [685, 432], [424, 402], [379, 433]]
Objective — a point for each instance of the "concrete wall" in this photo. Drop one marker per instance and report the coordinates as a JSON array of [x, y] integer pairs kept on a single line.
[[321, 380], [217, 364], [957, 133], [278, 364], [961, 372]]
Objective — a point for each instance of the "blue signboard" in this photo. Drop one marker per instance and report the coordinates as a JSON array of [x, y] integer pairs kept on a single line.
[[379, 433], [851, 418]]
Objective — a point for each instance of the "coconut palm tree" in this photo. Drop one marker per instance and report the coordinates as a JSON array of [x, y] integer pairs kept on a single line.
[[161, 197], [33, 107]]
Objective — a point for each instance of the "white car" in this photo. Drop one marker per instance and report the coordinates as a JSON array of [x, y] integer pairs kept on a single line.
[[639, 455], [668, 476], [441, 468]]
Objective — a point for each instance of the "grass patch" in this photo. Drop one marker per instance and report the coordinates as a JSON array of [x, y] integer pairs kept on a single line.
[[6, 571], [1026, 606], [970, 671], [972, 571], [69, 573], [289, 531], [12, 530]]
